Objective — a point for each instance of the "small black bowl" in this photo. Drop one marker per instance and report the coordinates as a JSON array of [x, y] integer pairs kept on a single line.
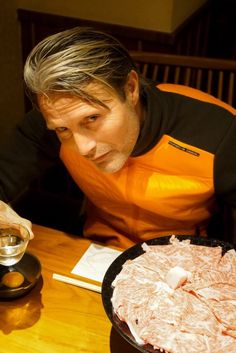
[[29, 266], [129, 254]]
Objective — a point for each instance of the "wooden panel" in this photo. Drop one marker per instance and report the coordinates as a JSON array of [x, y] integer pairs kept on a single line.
[[36, 26], [214, 76], [189, 38]]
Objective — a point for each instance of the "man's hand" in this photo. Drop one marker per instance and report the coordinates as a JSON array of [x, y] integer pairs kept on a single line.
[[8, 217]]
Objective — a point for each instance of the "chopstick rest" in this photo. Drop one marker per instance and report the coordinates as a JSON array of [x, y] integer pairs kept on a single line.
[[77, 282]]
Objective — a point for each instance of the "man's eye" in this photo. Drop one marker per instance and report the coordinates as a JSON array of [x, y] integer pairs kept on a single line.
[[92, 118], [63, 133], [61, 129]]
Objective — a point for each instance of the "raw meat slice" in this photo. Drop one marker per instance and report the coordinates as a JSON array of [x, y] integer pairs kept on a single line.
[[180, 298]]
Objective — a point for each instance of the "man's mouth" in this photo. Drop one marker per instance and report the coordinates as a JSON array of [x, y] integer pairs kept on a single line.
[[101, 158]]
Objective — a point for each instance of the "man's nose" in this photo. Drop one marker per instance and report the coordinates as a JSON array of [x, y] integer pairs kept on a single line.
[[84, 144]]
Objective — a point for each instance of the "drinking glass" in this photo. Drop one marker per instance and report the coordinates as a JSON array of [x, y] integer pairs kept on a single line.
[[13, 243]]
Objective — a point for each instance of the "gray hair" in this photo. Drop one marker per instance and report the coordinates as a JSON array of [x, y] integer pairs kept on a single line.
[[68, 61]]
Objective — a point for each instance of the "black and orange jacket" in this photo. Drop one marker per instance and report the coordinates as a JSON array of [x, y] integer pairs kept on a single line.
[[184, 159]]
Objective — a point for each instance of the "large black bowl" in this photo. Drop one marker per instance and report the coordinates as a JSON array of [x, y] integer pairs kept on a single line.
[[130, 254], [30, 268]]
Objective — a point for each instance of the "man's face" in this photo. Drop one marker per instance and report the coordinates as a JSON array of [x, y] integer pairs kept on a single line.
[[105, 136]]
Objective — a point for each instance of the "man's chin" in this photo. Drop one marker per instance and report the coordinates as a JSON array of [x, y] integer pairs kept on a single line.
[[111, 166]]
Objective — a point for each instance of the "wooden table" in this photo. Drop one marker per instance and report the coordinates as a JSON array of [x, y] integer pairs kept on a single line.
[[56, 317]]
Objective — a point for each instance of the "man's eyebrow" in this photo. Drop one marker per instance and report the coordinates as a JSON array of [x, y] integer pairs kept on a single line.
[[107, 100]]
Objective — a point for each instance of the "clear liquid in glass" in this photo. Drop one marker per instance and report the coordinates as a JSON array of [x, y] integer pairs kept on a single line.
[[12, 248]]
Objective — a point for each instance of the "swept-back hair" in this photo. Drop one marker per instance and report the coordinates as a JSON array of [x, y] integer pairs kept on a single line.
[[68, 61]]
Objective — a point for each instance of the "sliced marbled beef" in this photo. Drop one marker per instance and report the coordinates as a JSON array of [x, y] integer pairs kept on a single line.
[[194, 313]]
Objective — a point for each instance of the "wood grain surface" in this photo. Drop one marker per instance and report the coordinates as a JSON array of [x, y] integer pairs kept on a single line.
[[56, 317]]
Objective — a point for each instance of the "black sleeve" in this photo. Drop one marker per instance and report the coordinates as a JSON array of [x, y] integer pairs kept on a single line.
[[225, 167], [26, 154], [225, 181], [230, 224]]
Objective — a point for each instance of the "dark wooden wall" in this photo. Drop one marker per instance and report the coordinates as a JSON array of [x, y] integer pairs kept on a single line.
[[190, 37], [210, 31], [222, 30]]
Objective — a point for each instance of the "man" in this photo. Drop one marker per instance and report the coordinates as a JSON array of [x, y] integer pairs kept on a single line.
[[152, 161]]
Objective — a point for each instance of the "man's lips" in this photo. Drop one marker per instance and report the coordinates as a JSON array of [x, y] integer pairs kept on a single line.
[[101, 158]]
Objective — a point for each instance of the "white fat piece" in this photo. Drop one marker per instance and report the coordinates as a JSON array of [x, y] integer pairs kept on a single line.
[[176, 277]]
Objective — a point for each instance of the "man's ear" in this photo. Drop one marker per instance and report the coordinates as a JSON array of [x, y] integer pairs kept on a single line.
[[132, 87]]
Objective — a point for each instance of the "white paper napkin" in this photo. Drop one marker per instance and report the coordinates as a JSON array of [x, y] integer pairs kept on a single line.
[[95, 262]]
